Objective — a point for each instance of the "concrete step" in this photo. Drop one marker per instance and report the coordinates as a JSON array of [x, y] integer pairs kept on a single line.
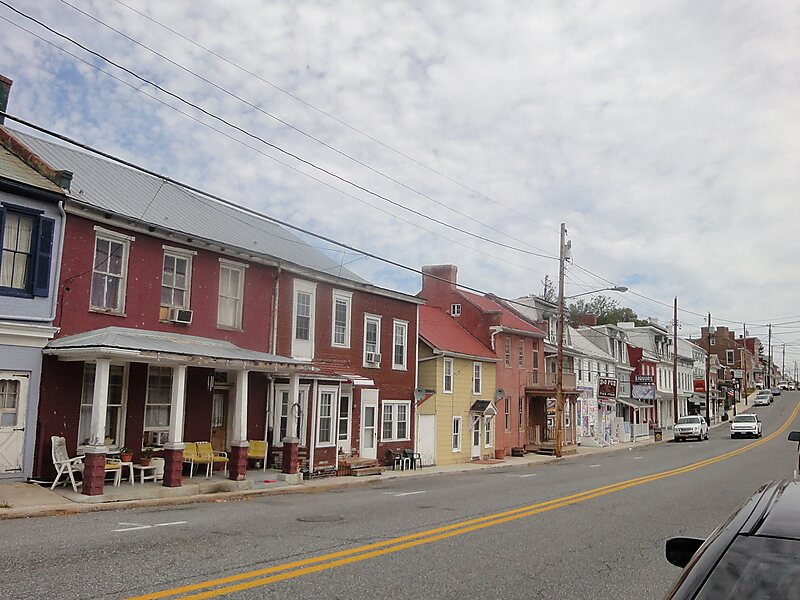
[[364, 471]]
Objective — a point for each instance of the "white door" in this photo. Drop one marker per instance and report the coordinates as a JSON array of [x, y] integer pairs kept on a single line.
[[476, 437], [426, 445], [369, 424], [13, 394]]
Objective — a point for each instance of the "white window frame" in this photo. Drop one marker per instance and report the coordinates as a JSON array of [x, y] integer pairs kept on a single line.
[[477, 377], [521, 355], [179, 254], [343, 433], [507, 350], [161, 431], [455, 434], [125, 241], [87, 399], [303, 391], [347, 299], [369, 318], [21, 400], [240, 268], [522, 413], [507, 414], [487, 432], [304, 349], [404, 325], [392, 405], [333, 417], [712, 342], [455, 310], [445, 388], [728, 354]]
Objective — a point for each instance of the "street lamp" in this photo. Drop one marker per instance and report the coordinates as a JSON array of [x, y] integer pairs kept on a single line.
[[563, 256]]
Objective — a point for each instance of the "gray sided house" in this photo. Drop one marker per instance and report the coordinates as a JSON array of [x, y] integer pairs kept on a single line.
[[31, 226]]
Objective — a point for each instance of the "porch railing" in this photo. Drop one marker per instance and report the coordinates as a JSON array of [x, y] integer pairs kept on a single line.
[[535, 435]]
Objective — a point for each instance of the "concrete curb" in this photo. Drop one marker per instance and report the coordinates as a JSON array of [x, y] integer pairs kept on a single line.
[[309, 488]]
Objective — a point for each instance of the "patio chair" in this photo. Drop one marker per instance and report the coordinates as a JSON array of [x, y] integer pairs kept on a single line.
[[64, 464], [190, 456], [207, 455], [258, 452], [415, 458], [398, 458]]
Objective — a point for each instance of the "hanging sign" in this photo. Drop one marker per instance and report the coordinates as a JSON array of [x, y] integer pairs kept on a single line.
[[606, 387]]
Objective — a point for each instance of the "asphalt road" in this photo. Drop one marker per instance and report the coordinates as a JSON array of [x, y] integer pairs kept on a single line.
[[511, 533]]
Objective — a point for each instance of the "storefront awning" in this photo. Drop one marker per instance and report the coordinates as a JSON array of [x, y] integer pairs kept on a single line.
[[632, 402], [142, 345], [483, 407]]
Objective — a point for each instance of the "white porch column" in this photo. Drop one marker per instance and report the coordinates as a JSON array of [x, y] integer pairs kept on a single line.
[[294, 391], [177, 410], [240, 410], [97, 433]]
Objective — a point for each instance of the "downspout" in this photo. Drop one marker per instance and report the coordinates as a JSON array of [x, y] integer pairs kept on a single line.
[[313, 441], [54, 300], [275, 302]]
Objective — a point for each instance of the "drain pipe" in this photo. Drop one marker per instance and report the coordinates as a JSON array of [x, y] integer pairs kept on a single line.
[[276, 300]]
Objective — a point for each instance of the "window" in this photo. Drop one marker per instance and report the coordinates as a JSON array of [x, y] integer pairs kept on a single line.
[[713, 342], [372, 337], [729, 354], [589, 368], [580, 369], [456, 434], [109, 271], [303, 319], [290, 417], [447, 384], [344, 417], [487, 432], [522, 414], [521, 357], [400, 341], [176, 275], [455, 310], [508, 414], [27, 249], [395, 420], [231, 292], [476, 378], [115, 413], [327, 404], [157, 406], [507, 351], [342, 301], [11, 400]]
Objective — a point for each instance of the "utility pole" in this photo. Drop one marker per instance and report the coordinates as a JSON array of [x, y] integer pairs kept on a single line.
[[708, 371], [560, 351], [675, 362], [744, 362], [769, 360], [783, 362]]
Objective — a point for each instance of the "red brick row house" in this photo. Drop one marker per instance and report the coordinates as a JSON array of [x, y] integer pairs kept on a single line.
[[184, 319]]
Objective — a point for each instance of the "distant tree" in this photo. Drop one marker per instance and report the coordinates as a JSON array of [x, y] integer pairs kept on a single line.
[[548, 290], [607, 310]]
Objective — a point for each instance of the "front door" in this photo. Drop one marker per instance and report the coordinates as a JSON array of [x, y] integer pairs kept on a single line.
[[426, 433], [476, 437], [13, 394], [219, 420], [344, 420], [369, 424]]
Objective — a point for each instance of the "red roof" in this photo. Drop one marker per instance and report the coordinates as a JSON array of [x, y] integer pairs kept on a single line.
[[507, 317], [442, 332]]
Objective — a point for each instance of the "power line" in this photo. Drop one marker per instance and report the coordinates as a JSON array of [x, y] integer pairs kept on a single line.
[[276, 147]]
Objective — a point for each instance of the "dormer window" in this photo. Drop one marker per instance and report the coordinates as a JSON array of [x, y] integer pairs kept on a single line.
[[455, 310]]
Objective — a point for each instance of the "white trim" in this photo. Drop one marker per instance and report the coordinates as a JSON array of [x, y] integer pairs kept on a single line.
[[479, 378], [178, 253], [345, 443], [404, 365], [451, 362], [239, 316], [123, 406], [115, 235], [455, 309], [334, 416], [177, 250], [24, 334], [347, 298], [487, 432], [394, 421], [304, 349], [125, 241], [367, 318], [233, 263], [459, 433]]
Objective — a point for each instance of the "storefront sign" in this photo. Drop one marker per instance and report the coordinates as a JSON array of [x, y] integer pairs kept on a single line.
[[738, 373], [643, 392], [606, 387], [700, 386], [644, 379]]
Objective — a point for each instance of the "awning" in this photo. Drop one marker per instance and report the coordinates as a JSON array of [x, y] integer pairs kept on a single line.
[[632, 402], [357, 380], [143, 345], [483, 407]]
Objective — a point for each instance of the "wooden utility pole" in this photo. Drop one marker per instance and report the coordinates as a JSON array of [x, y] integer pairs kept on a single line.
[[675, 362], [783, 361], [708, 370], [560, 347], [744, 362], [769, 360]]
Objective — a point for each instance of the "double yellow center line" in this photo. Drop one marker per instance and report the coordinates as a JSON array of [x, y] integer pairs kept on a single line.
[[274, 574]]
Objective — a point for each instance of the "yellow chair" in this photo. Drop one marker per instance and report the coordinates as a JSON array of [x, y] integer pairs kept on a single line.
[[190, 456], [208, 456], [258, 451]]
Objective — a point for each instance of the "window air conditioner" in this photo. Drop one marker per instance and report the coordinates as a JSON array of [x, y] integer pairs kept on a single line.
[[373, 357], [181, 315]]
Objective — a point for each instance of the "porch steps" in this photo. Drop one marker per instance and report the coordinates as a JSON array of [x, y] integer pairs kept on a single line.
[[365, 471], [359, 467]]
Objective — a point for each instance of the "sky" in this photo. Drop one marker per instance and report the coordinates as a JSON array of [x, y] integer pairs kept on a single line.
[[666, 135]]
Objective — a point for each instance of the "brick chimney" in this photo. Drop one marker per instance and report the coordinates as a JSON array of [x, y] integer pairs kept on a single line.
[[437, 282], [5, 90], [587, 320]]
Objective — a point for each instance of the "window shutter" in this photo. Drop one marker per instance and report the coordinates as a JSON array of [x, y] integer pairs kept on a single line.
[[44, 255]]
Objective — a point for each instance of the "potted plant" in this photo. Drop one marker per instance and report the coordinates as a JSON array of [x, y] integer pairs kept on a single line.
[[147, 454], [126, 455]]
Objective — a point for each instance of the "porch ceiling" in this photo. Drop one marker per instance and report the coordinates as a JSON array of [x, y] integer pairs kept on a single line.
[[137, 345]]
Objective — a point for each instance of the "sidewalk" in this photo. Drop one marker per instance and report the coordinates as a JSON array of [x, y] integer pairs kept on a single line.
[[18, 500]]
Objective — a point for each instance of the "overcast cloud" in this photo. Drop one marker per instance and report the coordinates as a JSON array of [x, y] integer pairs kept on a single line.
[[665, 134]]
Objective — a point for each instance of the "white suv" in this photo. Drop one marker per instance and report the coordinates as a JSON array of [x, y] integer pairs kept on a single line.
[[749, 425], [693, 426]]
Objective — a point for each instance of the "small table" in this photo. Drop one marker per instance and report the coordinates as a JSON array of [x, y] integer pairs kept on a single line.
[[143, 472], [129, 465]]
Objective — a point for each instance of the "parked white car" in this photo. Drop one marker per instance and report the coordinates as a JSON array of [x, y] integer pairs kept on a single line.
[[763, 398], [692, 426], [749, 425]]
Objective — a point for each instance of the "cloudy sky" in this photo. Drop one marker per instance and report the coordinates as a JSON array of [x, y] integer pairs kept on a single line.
[[665, 134]]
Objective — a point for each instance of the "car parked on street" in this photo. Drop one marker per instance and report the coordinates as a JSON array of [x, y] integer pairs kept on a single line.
[[754, 554], [691, 426], [776, 391], [746, 424], [763, 398]]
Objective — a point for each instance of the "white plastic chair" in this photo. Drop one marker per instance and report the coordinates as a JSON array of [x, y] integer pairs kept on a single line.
[[63, 463]]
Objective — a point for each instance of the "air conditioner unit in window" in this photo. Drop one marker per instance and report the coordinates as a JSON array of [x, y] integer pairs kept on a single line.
[[181, 315], [373, 357]]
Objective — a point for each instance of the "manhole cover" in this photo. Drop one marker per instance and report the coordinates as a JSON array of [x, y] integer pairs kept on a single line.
[[321, 519]]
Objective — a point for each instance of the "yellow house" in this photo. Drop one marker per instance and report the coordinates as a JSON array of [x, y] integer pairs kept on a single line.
[[456, 417]]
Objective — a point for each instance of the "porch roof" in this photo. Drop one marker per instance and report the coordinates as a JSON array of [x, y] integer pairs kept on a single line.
[[633, 402], [483, 407], [142, 345]]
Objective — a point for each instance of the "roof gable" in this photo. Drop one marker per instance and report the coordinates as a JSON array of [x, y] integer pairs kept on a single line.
[[507, 317], [442, 332]]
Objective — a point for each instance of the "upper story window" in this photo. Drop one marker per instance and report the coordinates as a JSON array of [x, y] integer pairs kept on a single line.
[[521, 357], [447, 384], [27, 248], [713, 342], [455, 310], [730, 356], [477, 372], [303, 319], [399, 355], [110, 271], [507, 350], [231, 294], [342, 303], [176, 277], [372, 340]]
